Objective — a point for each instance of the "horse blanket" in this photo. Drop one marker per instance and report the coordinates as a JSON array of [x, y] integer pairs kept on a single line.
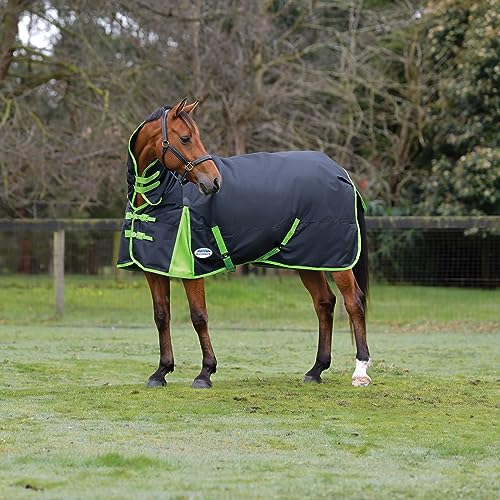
[[293, 209]]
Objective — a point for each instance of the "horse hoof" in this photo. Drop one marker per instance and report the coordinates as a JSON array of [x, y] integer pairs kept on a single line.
[[154, 382], [310, 379], [361, 381], [200, 383]]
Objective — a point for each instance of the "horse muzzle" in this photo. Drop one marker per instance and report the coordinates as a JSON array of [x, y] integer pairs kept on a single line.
[[209, 186]]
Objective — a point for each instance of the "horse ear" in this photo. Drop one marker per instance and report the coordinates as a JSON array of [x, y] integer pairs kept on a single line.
[[179, 107], [190, 107]]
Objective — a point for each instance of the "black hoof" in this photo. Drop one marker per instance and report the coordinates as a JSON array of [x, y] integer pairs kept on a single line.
[[201, 383], [155, 382], [311, 379]]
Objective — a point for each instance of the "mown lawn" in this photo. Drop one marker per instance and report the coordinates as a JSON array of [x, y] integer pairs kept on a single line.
[[77, 422]]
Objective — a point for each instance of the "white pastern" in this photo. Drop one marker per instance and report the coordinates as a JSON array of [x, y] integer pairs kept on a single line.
[[360, 378]]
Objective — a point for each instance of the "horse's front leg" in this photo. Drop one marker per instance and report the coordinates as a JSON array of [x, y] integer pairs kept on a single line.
[[160, 293], [195, 292]]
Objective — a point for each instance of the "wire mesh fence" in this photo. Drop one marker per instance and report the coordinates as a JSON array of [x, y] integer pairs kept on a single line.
[[456, 251]]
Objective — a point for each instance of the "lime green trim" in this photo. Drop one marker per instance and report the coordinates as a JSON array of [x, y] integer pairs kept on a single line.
[[358, 253], [182, 262], [145, 180], [141, 217], [286, 266], [130, 148], [291, 232], [142, 179], [228, 263], [125, 264], [133, 157], [267, 255], [129, 233], [146, 199], [357, 223], [355, 192], [285, 240], [145, 189], [149, 202]]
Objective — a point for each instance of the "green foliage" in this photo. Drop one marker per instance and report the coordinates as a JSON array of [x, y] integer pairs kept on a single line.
[[465, 47], [388, 89], [470, 186], [464, 54]]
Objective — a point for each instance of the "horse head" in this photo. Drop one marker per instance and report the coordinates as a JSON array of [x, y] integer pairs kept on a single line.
[[181, 150]]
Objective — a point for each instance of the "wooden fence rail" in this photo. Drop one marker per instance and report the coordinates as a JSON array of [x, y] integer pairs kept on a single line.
[[59, 226], [403, 222]]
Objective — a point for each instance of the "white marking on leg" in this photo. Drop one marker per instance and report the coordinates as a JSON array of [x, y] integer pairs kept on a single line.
[[360, 377]]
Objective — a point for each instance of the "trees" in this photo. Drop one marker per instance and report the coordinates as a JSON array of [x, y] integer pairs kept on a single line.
[[463, 45], [67, 106], [395, 94]]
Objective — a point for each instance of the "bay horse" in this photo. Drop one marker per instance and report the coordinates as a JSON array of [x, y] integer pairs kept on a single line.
[[170, 140]]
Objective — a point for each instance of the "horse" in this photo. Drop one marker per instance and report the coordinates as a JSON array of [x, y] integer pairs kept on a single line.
[[167, 159]]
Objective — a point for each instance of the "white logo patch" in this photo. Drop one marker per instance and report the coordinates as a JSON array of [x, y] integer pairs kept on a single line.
[[203, 253]]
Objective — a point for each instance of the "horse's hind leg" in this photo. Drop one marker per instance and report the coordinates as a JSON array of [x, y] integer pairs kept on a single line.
[[195, 292], [355, 304], [324, 304], [160, 293]]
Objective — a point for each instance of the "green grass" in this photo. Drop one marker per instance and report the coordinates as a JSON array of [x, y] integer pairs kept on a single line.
[[77, 422]]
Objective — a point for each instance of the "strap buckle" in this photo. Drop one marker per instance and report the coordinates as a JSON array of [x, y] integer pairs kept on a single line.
[[138, 235], [188, 166]]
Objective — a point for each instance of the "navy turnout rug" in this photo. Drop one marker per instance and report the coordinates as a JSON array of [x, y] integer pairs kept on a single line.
[[292, 209]]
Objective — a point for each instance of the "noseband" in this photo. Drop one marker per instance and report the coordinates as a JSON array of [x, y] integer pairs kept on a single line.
[[166, 146]]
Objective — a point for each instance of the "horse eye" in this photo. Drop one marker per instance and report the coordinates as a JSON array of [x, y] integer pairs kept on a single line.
[[185, 139]]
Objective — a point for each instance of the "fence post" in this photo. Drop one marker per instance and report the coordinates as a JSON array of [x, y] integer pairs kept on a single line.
[[58, 267]]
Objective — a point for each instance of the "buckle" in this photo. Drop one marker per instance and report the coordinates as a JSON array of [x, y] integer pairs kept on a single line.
[[188, 166], [165, 143]]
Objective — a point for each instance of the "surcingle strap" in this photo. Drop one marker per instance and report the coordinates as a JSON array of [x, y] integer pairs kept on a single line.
[[137, 234], [141, 217], [140, 183], [145, 180], [228, 263], [145, 189]]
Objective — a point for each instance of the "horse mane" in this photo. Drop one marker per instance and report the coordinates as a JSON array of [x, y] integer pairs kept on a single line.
[[155, 114], [185, 117]]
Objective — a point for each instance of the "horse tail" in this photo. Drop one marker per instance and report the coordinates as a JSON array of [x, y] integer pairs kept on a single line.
[[360, 270]]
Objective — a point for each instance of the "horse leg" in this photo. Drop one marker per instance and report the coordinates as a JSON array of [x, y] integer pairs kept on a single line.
[[324, 304], [160, 293], [355, 304], [195, 292]]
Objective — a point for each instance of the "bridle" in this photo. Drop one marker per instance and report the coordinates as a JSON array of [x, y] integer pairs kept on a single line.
[[166, 146]]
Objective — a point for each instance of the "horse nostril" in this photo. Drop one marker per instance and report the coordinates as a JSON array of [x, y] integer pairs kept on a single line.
[[203, 188], [216, 185]]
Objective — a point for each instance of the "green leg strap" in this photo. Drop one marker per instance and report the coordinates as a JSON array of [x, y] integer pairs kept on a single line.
[[285, 240], [223, 249]]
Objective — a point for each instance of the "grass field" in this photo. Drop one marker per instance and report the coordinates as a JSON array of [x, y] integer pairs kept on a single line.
[[77, 422]]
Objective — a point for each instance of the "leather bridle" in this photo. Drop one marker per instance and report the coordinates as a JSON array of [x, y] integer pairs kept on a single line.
[[166, 146]]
